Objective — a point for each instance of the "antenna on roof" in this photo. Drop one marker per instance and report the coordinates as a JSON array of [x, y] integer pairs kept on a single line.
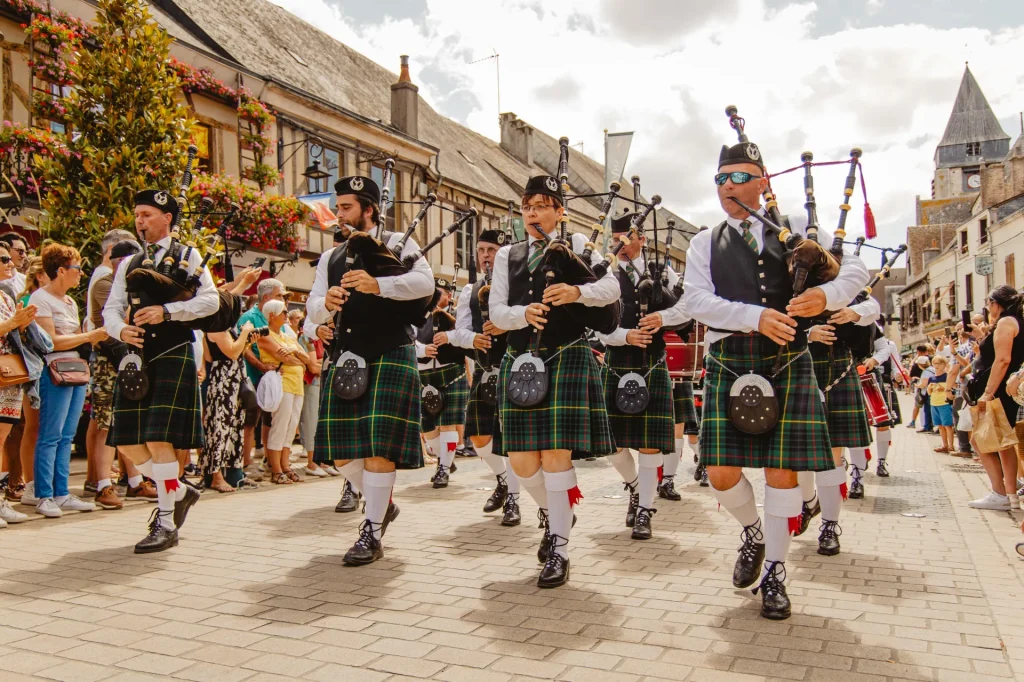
[[497, 74]]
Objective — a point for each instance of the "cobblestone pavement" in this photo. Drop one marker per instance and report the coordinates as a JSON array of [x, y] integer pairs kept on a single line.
[[256, 590]]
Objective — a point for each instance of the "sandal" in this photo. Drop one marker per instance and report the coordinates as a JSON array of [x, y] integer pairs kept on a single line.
[[941, 450], [225, 487], [247, 484], [292, 476], [280, 479]]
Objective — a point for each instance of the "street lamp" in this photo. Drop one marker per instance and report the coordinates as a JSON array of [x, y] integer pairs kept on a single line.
[[316, 174], [313, 171]]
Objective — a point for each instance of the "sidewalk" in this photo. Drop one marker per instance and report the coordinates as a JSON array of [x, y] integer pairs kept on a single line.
[[256, 590]]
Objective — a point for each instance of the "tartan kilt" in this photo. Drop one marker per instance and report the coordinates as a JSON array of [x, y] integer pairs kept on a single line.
[[170, 413], [451, 381], [654, 427], [572, 417], [845, 410], [684, 407], [799, 441], [481, 418], [384, 422]]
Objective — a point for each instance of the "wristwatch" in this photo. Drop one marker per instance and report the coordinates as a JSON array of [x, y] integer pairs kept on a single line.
[[167, 314]]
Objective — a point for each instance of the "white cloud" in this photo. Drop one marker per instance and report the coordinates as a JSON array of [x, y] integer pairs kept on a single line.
[[888, 89], [874, 6]]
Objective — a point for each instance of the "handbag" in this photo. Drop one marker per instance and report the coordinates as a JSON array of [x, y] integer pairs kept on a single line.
[[992, 430], [69, 371], [351, 376], [270, 391], [12, 370]]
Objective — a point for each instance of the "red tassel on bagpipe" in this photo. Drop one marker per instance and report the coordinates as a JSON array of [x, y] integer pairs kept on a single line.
[[171, 484], [661, 474], [574, 496], [869, 222], [794, 524], [843, 490]]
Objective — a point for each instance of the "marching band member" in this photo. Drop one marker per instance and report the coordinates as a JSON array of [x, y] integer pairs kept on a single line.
[[488, 344], [168, 417], [882, 363], [687, 429], [638, 347], [540, 439], [380, 430], [737, 282]]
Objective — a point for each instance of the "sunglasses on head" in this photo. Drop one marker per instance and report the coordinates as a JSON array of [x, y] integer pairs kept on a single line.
[[737, 177]]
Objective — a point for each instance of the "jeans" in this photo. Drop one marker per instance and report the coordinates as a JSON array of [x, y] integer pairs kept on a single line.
[[60, 409], [926, 415]]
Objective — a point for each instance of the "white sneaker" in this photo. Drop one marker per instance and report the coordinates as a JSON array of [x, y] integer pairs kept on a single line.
[[48, 508], [29, 495], [317, 473], [74, 503], [9, 515], [992, 501], [331, 470], [3, 524]]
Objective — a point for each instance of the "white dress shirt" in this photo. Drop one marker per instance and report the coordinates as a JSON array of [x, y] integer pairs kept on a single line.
[[417, 283], [670, 317], [885, 350], [463, 335], [869, 311], [504, 316], [203, 304], [704, 305]]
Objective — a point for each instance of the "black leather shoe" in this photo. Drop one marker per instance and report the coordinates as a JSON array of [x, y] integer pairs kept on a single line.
[[748, 564], [349, 501], [704, 477], [828, 540], [159, 538], [367, 548], [774, 600], [547, 543], [182, 506], [634, 502], [807, 514], [555, 572], [390, 515], [667, 489], [642, 527], [512, 515], [699, 471], [882, 471], [497, 498], [856, 487], [440, 477], [452, 469]]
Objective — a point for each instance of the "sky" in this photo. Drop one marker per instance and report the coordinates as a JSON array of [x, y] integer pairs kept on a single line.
[[822, 76]]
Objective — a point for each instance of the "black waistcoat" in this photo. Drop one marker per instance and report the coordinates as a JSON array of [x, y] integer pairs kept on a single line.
[[159, 338], [362, 332], [743, 276], [525, 288], [631, 316], [498, 343]]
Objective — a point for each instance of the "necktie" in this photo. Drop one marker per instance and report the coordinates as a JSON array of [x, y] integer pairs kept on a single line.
[[747, 237], [153, 250], [535, 255], [631, 271]]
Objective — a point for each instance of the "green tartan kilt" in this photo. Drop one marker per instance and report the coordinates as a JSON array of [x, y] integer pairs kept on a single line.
[[573, 415], [481, 418], [451, 381], [384, 422], [845, 409], [684, 407], [799, 441], [654, 427], [170, 413]]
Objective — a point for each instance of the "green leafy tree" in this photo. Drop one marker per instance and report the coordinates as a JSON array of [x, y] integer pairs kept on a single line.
[[127, 129]]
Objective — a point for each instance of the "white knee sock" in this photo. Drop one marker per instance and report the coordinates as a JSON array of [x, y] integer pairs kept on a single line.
[[831, 491], [135, 481], [434, 445], [167, 484], [671, 461], [782, 508], [562, 495], [535, 486], [696, 449], [681, 446], [146, 468], [806, 481], [624, 464], [353, 473], [449, 442], [882, 440], [498, 464], [377, 493], [512, 481], [648, 486], [739, 501], [859, 458]]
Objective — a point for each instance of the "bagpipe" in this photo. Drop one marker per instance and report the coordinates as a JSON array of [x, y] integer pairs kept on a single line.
[[443, 320], [860, 339]]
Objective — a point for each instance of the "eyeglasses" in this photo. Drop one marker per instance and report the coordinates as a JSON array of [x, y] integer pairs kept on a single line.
[[536, 207], [74, 267], [5, 259], [737, 177]]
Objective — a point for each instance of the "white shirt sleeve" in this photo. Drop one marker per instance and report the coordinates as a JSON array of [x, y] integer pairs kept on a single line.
[[616, 338], [603, 292], [881, 354], [316, 310], [869, 312], [309, 327], [503, 315], [676, 315], [116, 307], [417, 283], [204, 303], [462, 336], [702, 304]]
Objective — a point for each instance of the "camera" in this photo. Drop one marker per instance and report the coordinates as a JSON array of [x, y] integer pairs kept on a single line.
[[261, 331]]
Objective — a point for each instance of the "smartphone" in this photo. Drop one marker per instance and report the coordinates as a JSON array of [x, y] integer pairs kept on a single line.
[[965, 319], [258, 263], [949, 332]]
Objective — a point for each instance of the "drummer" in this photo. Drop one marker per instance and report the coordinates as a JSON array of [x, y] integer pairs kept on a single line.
[[883, 365]]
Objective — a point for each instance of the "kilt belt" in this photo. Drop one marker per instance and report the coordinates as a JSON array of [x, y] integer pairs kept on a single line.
[[845, 410], [450, 380], [654, 427]]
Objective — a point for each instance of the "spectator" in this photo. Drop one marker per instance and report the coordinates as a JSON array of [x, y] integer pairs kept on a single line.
[[942, 411], [17, 248], [924, 363], [1001, 350], [311, 403], [106, 267], [963, 358], [915, 378], [28, 432], [283, 349], [60, 406]]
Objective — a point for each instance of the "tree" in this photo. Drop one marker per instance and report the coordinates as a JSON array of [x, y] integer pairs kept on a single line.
[[127, 129]]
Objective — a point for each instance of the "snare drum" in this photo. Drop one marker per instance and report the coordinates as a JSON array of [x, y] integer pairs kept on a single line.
[[878, 409], [685, 357]]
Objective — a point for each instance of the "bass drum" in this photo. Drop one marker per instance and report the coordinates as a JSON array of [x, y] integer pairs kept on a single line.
[[684, 352]]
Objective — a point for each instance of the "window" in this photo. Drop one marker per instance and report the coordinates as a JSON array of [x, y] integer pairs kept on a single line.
[[969, 291], [963, 241], [983, 230], [57, 93], [973, 149], [377, 174], [465, 243], [330, 162], [518, 229], [1011, 272]]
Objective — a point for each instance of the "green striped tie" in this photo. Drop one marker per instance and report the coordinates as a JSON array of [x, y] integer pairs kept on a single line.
[[631, 271], [749, 238], [535, 255]]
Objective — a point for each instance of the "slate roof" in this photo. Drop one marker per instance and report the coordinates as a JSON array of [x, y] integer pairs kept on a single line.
[[972, 119]]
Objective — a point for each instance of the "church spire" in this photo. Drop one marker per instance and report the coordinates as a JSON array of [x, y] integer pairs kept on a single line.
[[971, 120]]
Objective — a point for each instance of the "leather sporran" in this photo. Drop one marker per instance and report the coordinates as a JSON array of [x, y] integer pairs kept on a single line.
[[753, 407], [351, 376], [528, 383], [632, 395], [488, 388], [132, 377], [432, 400]]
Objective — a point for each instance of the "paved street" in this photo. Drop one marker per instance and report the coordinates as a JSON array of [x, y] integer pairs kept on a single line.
[[256, 590]]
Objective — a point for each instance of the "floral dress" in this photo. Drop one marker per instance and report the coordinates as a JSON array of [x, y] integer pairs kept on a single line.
[[225, 415], [10, 396]]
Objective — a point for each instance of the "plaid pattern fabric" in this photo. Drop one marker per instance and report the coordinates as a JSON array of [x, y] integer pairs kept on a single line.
[[652, 428], [383, 423], [798, 442], [102, 377], [684, 408], [572, 417], [451, 381], [481, 418], [845, 409], [170, 413]]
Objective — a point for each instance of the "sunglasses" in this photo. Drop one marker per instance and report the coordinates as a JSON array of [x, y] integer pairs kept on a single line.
[[737, 177], [5, 259], [73, 267]]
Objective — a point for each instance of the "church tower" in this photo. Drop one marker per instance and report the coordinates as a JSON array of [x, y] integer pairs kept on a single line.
[[973, 136]]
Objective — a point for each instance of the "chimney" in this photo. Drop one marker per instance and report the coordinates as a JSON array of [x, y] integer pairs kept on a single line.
[[405, 102], [928, 255], [517, 138]]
